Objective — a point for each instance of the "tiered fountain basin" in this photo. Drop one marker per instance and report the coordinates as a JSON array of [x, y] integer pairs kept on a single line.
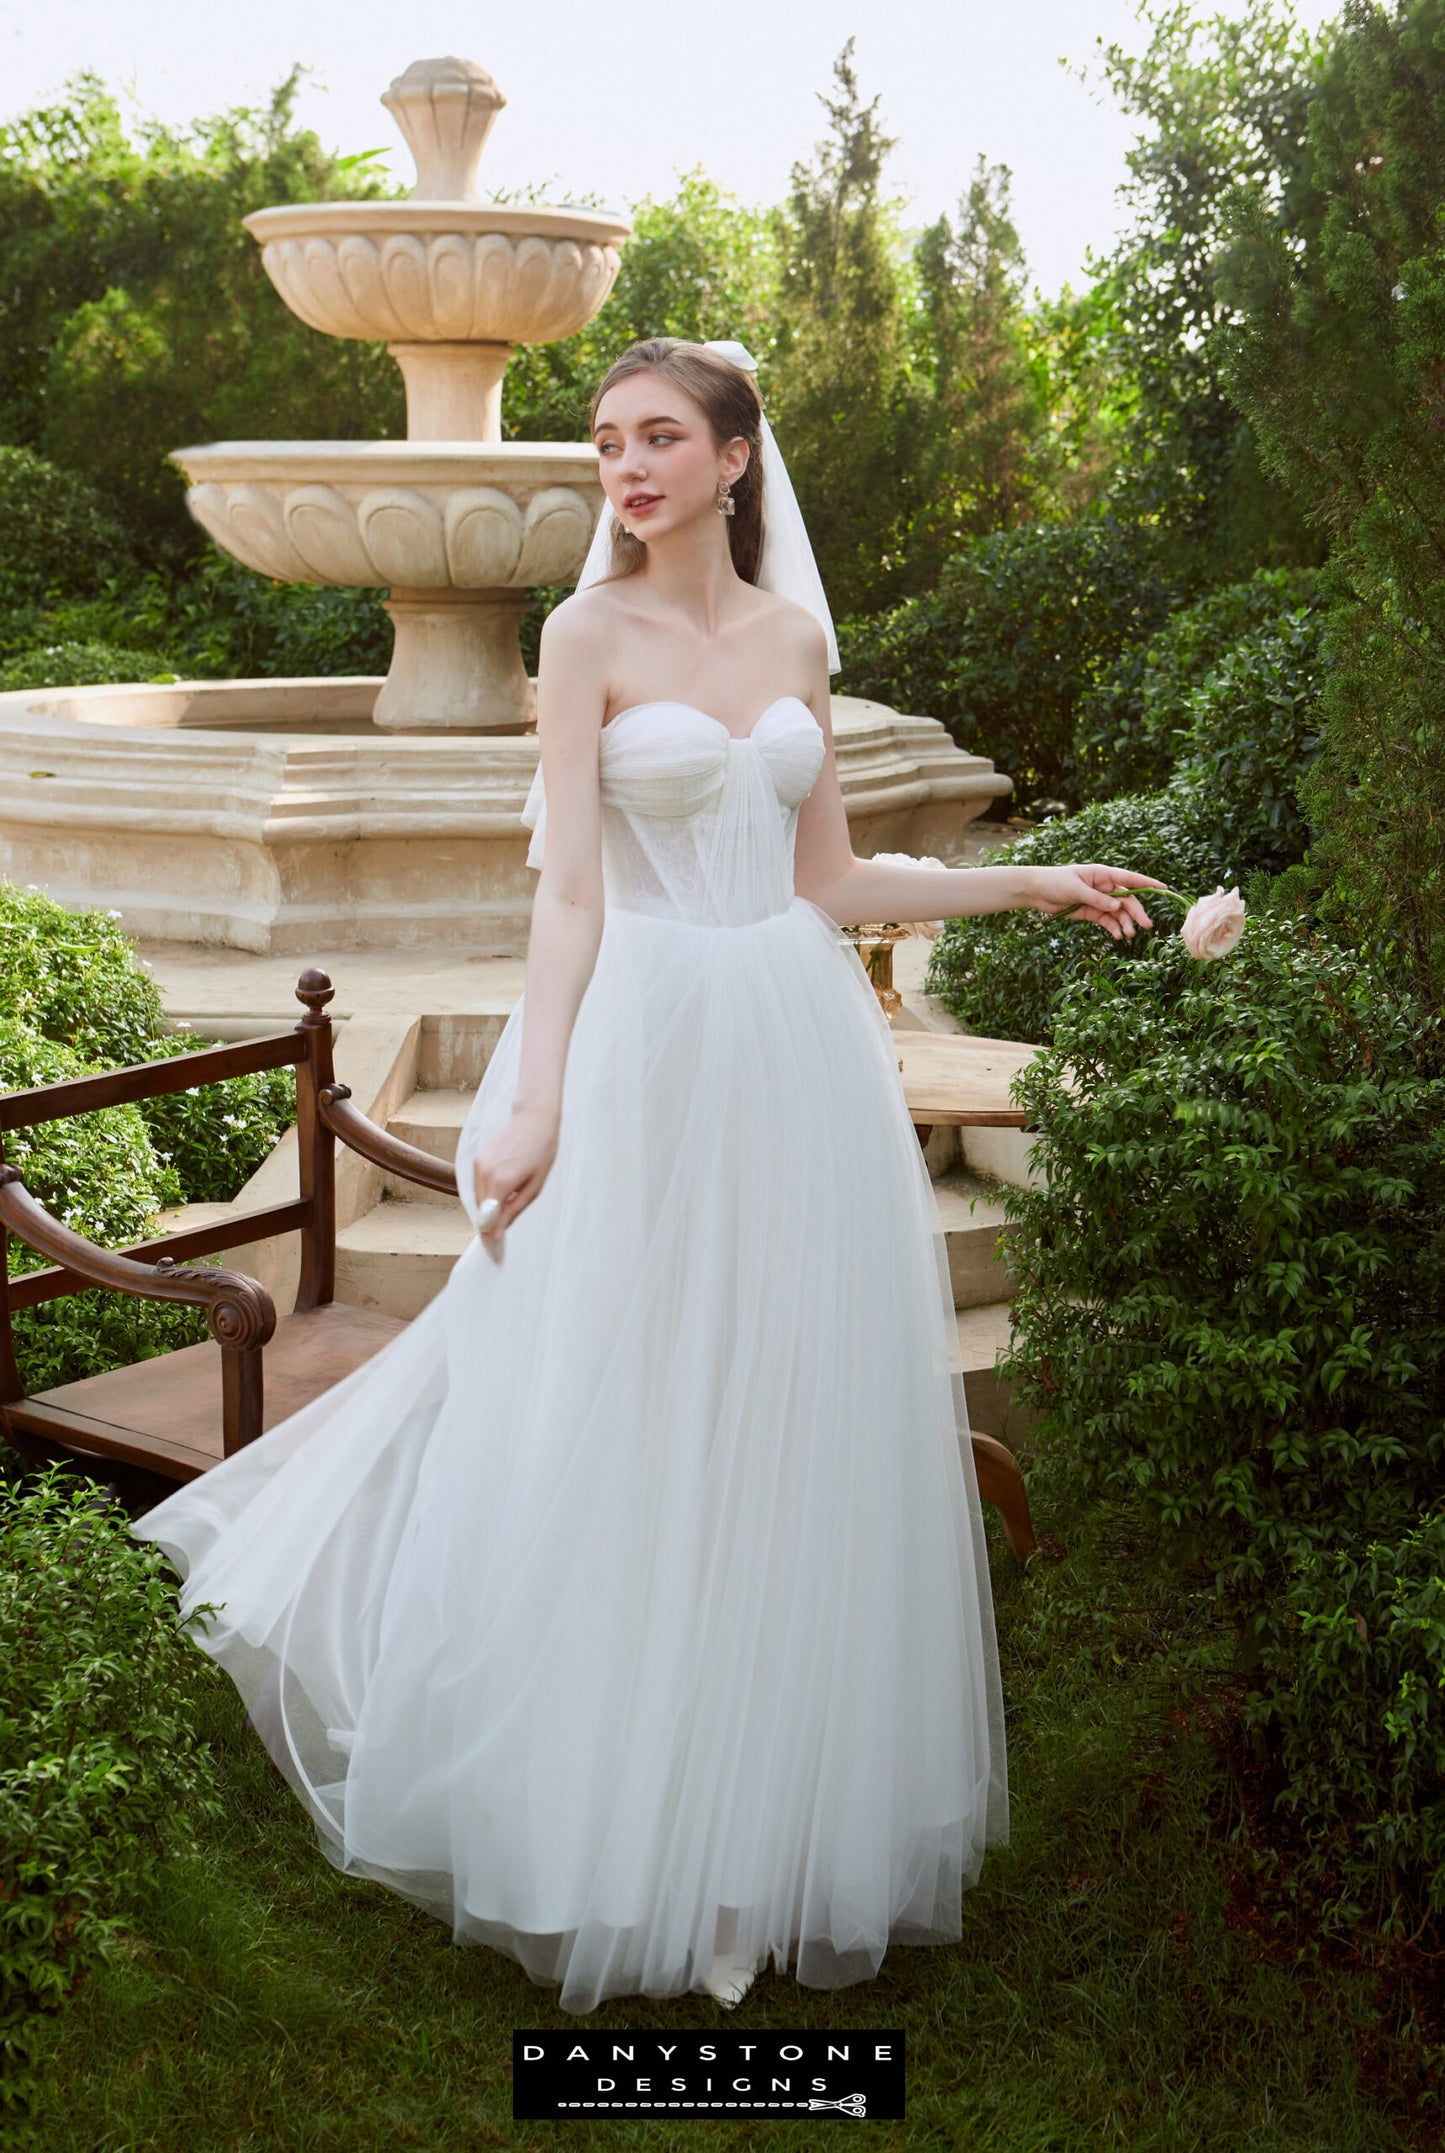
[[456, 525], [430, 515], [275, 816], [457, 532], [445, 270]]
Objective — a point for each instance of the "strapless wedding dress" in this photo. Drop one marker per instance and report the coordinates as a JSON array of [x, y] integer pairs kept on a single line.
[[632, 1605]]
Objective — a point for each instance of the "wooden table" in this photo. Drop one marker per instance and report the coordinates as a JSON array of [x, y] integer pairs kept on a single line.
[[954, 1079]]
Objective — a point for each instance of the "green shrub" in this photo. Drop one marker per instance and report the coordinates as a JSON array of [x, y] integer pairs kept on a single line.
[[83, 665], [1362, 1720], [98, 1173], [101, 1175], [1129, 729], [73, 998], [226, 622], [74, 977], [1232, 1306], [117, 622], [101, 1771], [1329, 343], [214, 1136], [1250, 735], [1021, 625], [60, 537], [220, 622], [1003, 973], [1228, 816]]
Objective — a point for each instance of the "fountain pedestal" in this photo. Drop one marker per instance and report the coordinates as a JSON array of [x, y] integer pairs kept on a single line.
[[453, 391], [455, 649]]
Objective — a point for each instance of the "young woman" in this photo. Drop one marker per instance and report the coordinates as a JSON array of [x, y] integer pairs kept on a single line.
[[631, 1611]]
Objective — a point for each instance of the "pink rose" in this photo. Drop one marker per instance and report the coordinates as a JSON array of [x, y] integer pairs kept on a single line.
[[1213, 925]]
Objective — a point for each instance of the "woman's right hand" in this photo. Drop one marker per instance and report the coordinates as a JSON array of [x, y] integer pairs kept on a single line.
[[514, 1166]]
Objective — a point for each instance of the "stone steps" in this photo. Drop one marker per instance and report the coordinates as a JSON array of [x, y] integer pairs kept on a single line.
[[973, 1219], [983, 1335], [397, 1256]]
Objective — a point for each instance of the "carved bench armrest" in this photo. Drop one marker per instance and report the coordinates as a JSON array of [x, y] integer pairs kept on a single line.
[[352, 1128], [240, 1312]]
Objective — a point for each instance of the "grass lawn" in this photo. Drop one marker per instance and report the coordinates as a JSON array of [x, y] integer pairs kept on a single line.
[[1120, 1982]]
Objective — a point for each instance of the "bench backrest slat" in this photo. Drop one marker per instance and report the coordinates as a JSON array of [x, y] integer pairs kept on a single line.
[[150, 1080]]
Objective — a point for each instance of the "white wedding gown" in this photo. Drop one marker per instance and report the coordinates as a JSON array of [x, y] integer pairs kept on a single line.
[[633, 1605]]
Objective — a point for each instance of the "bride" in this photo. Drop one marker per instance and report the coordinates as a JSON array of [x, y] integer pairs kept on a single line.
[[630, 1611]]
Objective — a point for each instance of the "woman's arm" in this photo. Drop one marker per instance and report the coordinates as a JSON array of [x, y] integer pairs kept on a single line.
[[567, 912], [854, 891]]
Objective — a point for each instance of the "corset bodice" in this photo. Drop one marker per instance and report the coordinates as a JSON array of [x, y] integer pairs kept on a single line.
[[697, 822]]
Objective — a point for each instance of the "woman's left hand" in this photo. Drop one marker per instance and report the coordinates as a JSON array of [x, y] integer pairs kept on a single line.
[[1089, 893]]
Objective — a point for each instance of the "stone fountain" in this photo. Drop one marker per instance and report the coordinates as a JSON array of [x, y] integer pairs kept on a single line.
[[301, 816], [455, 523]]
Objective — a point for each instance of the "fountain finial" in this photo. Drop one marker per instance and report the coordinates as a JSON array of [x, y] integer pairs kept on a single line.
[[446, 109]]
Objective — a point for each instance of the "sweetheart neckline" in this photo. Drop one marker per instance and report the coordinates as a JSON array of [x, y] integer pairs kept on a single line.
[[669, 702]]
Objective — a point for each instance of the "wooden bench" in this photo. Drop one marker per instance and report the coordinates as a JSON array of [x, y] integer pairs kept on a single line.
[[177, 1415], [171, 1418]]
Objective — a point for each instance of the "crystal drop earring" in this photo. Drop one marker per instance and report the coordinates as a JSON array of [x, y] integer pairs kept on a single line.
[[726, 505]]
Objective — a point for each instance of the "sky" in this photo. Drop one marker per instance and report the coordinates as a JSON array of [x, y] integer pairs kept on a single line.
[[618, 97]]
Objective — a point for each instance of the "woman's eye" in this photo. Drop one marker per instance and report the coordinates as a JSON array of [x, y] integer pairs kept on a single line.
[[660, 437]]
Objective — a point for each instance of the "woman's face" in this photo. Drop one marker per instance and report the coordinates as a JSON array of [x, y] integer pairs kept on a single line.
[[658, 462]]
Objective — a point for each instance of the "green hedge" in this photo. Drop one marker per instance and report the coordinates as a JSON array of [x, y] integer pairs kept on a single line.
[[1232, 1303], [101, 1771], [66, 664], [77, 610], [226, 622], [75, 978], [1021, 625], [74, 997], [60, 538], [1250, 733], [1229, 816], [1129, 729], [1002, 973]]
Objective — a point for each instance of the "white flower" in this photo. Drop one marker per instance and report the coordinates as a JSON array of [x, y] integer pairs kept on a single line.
[[1213, 925]]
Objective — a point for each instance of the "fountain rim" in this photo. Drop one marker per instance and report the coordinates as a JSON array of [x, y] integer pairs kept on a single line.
[[440, 218], [364, 462]]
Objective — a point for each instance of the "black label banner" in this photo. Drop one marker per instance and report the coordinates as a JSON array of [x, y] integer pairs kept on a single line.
[[617, 2071]]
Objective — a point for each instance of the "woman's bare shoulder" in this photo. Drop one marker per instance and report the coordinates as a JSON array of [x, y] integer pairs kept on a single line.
[[799, 632], [578, 624]]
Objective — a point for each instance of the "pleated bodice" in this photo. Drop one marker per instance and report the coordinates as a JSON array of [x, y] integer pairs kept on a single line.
[[698, 823]]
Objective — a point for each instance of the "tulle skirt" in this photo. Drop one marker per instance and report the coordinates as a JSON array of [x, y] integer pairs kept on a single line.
[[633, 1604]]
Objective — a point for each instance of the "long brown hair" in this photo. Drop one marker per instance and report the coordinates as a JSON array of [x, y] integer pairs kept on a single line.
[[732, 406]]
